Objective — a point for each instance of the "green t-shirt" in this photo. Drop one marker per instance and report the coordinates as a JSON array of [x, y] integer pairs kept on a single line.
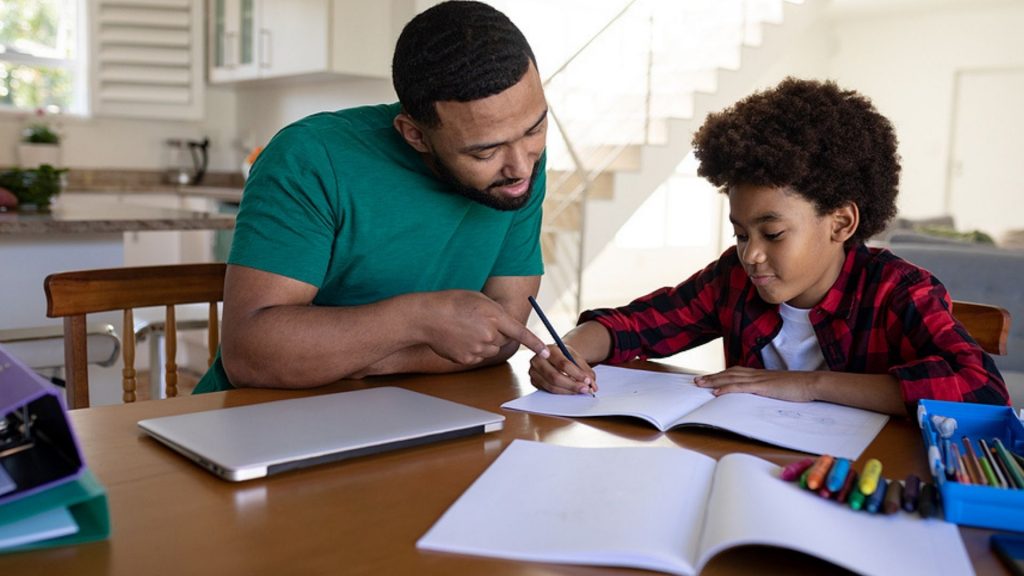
[[340, 201]]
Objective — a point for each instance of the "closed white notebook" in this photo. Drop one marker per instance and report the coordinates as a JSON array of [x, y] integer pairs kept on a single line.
[[668, 400], [672, 510]]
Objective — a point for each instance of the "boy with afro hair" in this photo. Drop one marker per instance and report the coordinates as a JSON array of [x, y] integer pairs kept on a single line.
[[806, 310]]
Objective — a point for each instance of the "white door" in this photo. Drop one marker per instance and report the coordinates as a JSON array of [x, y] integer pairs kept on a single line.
[[987, 151]]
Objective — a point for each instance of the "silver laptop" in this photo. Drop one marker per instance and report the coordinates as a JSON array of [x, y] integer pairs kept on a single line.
[[257, 440]]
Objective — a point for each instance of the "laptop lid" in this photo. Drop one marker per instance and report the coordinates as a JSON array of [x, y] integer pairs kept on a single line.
[[253, 441]]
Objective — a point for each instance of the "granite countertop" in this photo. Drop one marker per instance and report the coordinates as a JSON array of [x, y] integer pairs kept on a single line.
[[226, 193], [225, 186], [90, 203], [102, 217]]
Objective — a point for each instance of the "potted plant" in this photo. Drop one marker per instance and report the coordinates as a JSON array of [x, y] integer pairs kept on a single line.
[[34, 188], [40, 143]]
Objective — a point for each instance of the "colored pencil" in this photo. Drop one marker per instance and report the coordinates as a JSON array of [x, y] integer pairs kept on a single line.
[[973, 466]]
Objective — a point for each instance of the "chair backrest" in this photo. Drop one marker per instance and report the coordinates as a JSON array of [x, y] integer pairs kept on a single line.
[[988, 325], [72, 295]]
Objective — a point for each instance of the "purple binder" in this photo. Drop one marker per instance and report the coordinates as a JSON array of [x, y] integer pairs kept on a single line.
[[38, 449]]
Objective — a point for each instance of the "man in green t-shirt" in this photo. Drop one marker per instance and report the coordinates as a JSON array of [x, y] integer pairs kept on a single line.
[[396, 238]]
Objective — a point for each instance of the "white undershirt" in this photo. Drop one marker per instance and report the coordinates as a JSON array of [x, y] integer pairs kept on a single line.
[[796, 346]]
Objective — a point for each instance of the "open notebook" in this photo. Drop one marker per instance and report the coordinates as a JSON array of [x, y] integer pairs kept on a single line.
[[672, 509], [252, 441], [669, 400]]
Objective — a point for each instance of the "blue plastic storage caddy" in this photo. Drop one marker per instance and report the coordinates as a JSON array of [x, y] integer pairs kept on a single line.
[[970, 504]]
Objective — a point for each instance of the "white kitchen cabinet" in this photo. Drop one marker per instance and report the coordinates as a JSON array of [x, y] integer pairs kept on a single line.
[[232, 32], [253, 39], [155, 247], [265, 39]]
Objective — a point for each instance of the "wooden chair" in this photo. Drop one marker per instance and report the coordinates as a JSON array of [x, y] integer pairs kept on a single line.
[[72, 295], [988, 325]]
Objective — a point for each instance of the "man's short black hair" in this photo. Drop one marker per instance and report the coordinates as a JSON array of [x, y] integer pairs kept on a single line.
[[457, 50], [828, 145]]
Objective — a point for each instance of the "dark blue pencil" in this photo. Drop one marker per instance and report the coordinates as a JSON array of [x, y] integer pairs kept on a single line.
[[551, 330]]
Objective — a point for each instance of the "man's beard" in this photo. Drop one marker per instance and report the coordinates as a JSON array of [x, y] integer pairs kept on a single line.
[[488, 197]]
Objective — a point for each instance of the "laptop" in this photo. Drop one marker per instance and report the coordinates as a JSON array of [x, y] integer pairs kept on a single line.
[[258, 440]]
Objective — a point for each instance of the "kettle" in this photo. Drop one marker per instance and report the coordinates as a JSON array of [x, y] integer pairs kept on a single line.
[[188, 160]]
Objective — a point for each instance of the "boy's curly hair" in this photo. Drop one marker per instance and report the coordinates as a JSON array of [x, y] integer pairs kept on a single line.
[[829, 145]]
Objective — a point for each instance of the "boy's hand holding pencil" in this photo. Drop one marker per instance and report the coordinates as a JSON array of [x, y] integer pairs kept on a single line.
[[560, 372]]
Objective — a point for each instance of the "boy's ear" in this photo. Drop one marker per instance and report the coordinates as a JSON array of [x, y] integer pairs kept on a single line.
[[411, 132], [845, 221]]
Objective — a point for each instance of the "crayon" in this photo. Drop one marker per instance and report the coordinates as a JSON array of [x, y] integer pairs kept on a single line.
[[803, 478], [793, 471], [844, 492], [869, 479], [911, 493], [837, 475], [816, 473], [874, 503], [927, 505], [893, 494], [857, 498]]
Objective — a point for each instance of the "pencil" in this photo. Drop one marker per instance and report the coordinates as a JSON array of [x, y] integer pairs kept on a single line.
[[1011, 465], [961, 468], [990, 477], [551, 330], [973, 466], [997, 471]]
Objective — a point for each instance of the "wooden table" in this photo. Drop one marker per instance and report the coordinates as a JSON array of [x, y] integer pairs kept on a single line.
[[364, 516]]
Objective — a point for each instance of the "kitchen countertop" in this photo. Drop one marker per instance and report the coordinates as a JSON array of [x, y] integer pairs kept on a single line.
[[102, 217], [226, 193]]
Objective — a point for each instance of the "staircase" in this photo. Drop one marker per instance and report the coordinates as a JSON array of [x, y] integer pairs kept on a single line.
[[624, 108]]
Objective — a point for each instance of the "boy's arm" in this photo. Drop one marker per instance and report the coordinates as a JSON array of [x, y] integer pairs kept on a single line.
[[877, 392], [939, 359], [668, 320]]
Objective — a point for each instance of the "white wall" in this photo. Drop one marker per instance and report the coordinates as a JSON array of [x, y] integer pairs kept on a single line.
[[264, 109], [135, 144], [238, 117], [906, 59]]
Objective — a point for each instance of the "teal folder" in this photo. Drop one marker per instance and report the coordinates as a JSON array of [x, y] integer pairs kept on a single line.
[[84, 497], [42, 465]]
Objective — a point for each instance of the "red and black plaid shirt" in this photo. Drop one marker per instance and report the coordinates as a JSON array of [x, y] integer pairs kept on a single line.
[[883, 315]]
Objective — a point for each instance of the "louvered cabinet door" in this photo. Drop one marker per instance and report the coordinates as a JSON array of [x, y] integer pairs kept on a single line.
[[147, 58]]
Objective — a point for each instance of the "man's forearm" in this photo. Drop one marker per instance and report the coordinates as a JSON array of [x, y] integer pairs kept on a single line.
[[421, 359], [306, 346]]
